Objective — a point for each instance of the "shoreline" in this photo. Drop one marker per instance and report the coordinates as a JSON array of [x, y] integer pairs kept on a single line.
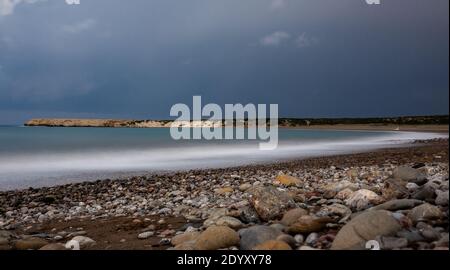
[[211, 160], [282, 161], [351, 159], [441, 129], [115, 213]]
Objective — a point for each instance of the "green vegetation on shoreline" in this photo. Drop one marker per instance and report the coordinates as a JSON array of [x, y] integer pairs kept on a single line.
[[403, 120]]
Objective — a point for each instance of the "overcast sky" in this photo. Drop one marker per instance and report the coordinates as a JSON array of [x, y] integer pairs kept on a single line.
[[136, 58]]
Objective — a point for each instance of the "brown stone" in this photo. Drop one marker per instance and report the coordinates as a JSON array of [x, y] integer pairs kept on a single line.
[[184, 237], [30, 243], [288, 180], [293, 215], [269, 202], [189, 245], [273, 245], [224, 190], [53, 246], [425, 212], [216, 237], [394, 188], [309, 224]]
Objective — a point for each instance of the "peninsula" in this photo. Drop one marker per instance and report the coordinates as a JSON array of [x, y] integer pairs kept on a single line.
[[407, 123]]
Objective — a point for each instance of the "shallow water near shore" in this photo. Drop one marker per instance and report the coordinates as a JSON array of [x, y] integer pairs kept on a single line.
[[39, 156]]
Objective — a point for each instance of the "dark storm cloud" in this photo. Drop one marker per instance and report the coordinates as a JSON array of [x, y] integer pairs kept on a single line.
[[112, 58]]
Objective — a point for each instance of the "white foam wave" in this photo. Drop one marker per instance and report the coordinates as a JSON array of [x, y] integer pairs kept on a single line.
[[36, 166]]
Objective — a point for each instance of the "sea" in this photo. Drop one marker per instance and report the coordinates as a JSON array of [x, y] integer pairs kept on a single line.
[[48, 156]]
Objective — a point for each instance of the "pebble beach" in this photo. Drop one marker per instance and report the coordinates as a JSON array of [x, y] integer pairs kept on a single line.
[[387, 199]]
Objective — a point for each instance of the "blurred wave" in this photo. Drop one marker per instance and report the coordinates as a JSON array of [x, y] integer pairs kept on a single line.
[[77, 163]]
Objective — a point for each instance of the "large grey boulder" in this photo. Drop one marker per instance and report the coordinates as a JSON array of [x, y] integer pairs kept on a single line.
[[256, 235], [365, 227], [409, 174]]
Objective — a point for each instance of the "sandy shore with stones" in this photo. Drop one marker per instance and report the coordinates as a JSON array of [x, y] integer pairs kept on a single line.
[[397, 197]]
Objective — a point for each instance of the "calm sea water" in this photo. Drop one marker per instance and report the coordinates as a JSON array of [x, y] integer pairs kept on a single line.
[[40, 156]]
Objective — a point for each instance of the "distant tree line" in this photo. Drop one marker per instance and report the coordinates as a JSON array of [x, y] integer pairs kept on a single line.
[[403, 120]]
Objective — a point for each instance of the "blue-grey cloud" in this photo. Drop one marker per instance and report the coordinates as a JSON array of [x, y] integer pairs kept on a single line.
[[78, 27], [304, 40], [7, 6], [329, 58], [277, 4], [275, 39]]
